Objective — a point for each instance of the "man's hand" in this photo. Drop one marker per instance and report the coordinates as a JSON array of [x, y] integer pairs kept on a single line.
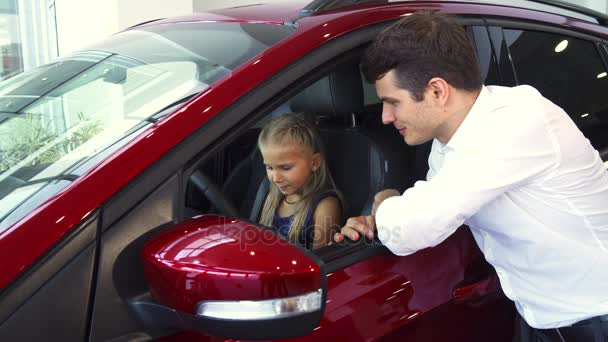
[[381, 196], [355, 226]]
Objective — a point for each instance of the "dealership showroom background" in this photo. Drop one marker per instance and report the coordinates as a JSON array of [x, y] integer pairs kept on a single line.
[[229, 170], [34, 32]]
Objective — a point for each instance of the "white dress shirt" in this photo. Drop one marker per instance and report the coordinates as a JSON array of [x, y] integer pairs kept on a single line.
[[533, 191]]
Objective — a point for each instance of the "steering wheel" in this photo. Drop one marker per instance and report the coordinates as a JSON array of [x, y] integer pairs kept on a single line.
[[214, 194]]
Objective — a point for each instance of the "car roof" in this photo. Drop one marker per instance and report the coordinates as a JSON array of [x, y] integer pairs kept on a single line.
[[306, 14], [292, 10], [551, 6], [270, 13]]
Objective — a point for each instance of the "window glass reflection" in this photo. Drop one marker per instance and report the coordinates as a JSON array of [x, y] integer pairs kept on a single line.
[[58, 120], [569, 72], [487, 60], [11, 60]]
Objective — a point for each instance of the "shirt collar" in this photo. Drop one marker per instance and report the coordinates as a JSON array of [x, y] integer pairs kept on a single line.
[[483, 104]]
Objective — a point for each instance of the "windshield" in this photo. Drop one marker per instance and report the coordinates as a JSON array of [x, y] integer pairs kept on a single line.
[[59, 120]]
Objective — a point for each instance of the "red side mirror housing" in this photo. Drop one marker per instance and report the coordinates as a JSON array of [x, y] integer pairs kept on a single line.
[[234, 276]]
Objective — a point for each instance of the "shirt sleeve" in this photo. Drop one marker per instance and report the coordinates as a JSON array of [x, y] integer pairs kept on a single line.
[[474, 173]]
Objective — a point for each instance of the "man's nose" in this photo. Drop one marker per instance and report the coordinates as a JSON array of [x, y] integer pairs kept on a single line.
[[388, 116]]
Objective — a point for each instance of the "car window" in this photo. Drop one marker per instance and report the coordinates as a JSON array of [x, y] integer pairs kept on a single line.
[[57, 117], [487, 60], [569, 72]]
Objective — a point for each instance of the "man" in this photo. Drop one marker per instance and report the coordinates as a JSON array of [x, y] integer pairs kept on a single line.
[[505, 161]]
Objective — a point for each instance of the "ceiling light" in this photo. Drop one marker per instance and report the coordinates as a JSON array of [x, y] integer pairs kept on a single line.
[[602, 75], [561, 46]]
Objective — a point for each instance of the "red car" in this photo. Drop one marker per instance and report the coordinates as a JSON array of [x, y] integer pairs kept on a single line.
[[130, 181]]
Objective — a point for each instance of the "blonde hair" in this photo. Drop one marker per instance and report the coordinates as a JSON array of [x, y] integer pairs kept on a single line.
[[293, 128]]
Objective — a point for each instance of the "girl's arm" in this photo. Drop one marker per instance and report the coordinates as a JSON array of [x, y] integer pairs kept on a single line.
[[326, 221]]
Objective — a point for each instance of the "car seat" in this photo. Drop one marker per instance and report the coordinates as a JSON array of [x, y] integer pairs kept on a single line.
[[363, 158]]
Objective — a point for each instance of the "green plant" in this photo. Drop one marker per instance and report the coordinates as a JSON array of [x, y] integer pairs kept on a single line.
[[30, 135]]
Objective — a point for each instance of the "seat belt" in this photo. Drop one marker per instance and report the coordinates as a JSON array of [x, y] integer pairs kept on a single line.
[[260, 198]]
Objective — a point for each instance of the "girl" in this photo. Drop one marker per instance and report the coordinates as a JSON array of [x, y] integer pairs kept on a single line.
[[302, 203]]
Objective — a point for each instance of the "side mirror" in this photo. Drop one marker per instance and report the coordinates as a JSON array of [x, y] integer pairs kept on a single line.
[[230, 278]]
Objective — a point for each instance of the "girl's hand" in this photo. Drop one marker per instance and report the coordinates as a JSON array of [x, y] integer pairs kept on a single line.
[[326, 219], [355, 226]]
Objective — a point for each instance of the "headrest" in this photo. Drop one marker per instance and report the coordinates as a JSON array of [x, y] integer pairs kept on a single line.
[[338, 94]]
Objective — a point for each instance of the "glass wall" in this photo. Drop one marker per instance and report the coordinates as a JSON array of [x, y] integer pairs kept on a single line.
[[27, 35], [11, 61]]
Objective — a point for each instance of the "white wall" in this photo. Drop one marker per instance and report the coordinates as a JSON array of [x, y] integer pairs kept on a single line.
[[82, 22], [132, 12], [202, 5]]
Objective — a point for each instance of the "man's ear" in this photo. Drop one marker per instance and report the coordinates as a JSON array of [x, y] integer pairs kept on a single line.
[[438, 89]]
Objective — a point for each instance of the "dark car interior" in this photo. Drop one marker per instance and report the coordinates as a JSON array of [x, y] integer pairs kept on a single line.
[[364, 155]]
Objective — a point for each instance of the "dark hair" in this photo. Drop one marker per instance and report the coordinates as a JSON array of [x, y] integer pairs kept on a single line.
[[419, 47]]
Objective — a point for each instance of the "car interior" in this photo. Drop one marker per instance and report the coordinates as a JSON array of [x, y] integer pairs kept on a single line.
[[363, 155]]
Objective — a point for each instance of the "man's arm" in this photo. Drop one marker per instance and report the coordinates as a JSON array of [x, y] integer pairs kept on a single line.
[[512, 152], [471, 176]]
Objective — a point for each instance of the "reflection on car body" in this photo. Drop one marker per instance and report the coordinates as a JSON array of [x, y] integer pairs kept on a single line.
[[115, 157]]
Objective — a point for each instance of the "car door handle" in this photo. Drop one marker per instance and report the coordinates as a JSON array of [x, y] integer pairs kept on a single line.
[[475, 291]]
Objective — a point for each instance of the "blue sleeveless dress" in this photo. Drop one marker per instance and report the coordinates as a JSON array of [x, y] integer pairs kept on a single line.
[[282, 224]]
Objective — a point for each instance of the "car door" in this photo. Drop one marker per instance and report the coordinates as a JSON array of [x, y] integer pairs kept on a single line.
[[370, 293], [379, 294], [373, 294], [405, 297], [51, 300], [100, 277]]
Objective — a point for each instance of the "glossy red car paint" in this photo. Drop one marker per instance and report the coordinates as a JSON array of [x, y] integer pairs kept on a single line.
[[54, 218], [366, 303], [211, 257], [475, 291], [276, 13], [31, 237]]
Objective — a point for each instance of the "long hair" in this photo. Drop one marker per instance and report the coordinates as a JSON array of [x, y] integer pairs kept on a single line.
[[293, 128]]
